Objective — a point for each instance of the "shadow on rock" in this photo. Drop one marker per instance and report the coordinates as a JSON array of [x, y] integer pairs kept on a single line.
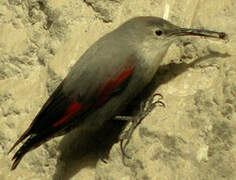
[[168, 72], [80, 149]]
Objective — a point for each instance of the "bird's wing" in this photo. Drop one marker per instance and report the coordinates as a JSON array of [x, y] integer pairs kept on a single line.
[[72, 101]]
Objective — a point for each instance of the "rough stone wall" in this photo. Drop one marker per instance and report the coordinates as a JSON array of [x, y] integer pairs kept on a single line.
[[194, 137]]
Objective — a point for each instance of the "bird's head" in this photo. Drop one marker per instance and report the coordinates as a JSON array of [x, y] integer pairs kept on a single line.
[[152, 36], [149, 27]]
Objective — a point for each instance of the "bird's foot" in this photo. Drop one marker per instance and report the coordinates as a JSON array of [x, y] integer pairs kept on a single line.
[[104, 160], [145, 108]]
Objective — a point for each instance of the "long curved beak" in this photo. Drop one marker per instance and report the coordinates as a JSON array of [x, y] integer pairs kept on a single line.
[[198, 32]]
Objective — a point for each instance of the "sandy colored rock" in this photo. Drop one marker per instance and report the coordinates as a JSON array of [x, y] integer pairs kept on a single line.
[[194, 137]]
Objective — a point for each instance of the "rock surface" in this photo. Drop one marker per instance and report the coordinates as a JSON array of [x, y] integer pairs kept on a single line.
[[194, 137]]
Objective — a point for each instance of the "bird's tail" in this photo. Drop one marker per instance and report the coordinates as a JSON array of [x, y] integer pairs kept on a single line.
[[24, 136], [31, 143]]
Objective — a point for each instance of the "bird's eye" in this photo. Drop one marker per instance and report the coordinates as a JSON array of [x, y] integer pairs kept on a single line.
[[158, 32]]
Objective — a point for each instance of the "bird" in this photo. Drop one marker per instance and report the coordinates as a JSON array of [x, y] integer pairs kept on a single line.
[[109, 75]]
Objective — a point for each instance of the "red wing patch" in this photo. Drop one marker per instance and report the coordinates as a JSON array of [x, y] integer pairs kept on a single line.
[[104, 91], [72, 109], [107, 88]]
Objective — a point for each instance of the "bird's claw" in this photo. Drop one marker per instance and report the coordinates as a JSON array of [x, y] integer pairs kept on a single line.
[[152, 102], [145, 108]]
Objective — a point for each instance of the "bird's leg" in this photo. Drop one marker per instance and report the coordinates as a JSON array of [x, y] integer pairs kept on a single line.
[[145, 108]]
